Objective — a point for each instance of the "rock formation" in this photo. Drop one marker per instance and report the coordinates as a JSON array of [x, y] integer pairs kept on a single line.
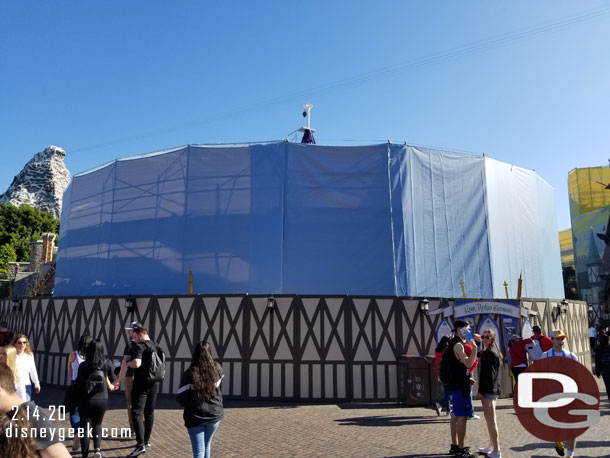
[[41, 183]]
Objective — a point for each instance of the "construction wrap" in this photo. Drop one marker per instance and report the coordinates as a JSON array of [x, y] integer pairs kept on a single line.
[[290, 218]]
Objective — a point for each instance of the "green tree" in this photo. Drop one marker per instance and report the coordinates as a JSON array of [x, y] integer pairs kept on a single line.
[[7, 254], [20, 225]]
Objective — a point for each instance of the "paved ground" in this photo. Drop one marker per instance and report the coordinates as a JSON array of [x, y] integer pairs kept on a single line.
[[336, 430]]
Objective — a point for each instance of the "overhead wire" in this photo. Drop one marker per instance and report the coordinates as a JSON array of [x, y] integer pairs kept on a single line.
[[365, 78]]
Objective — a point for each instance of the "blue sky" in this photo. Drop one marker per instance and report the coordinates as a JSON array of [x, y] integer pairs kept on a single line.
[[523, 82]]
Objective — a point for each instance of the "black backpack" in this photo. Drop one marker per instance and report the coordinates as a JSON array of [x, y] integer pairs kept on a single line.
[[445, 365], [155, 364], [96, 381]]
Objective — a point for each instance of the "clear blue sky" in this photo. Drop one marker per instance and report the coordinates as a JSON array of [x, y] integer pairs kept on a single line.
[[524, 82]]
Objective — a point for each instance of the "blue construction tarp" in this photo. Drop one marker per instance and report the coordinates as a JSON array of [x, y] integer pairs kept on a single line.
[[289, 218]]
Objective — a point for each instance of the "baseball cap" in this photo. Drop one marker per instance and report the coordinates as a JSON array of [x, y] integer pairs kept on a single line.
[[459, 324], [557, 333], [537, 329], [134, 324]]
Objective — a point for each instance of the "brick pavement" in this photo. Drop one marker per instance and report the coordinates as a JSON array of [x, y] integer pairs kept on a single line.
[[252, 429]]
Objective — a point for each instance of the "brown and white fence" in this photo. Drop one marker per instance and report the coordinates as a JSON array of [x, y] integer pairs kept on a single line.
[[304, 348]]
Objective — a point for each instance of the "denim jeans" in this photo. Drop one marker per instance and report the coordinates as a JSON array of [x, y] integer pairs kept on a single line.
[[201, 438]]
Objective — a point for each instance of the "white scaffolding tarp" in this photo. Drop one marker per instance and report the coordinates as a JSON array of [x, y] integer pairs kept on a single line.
[[308, 219]]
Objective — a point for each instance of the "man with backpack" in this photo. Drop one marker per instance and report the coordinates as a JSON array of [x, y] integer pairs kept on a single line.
[[454, 371], [148, 362]]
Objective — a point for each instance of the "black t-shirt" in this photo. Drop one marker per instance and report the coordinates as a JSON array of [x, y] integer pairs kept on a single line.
[[140, 352], [129, 350], [46, 432], [80, 385]]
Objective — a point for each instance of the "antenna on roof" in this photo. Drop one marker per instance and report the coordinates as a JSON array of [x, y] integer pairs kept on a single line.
[[307, 131]]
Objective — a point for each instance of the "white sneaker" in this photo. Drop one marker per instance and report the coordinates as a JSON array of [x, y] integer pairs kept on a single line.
[[493, 454], [474, 417], [486, 450], [438, 408]]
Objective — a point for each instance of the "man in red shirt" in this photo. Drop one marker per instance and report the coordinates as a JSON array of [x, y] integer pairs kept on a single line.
[[518, 355], [545, 342], [468, 349]]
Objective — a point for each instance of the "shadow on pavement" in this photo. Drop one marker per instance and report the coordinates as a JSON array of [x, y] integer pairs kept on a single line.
[[377, 406], [388, 421]]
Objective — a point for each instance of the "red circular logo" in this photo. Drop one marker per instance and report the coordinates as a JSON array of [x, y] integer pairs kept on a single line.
[[557, 399]]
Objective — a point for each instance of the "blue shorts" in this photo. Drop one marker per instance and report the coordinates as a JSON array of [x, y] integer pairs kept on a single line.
[[462, 404]]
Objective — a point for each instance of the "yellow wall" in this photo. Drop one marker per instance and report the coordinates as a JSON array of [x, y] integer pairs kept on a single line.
[[586, 194], [567, 248]]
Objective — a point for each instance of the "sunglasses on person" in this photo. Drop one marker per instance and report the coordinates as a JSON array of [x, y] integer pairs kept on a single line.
[[21, 342], [485, 337]]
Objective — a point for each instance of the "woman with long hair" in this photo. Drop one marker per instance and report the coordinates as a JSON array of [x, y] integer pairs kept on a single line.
[[26, 366], [8, 355], [200, 395], [14, 443], [490, 386], [95, 378], [77, 357]]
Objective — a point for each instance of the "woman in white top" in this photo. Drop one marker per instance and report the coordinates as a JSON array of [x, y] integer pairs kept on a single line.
[[26, 367]]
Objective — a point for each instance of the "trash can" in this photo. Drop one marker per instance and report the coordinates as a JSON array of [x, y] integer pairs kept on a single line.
[[414, 381], [436, 387]]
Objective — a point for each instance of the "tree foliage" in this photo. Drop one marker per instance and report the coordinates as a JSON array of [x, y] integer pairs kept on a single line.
[[7, 254], [19, 226]]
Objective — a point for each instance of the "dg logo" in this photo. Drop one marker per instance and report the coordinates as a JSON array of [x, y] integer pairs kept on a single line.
[[557, 399]]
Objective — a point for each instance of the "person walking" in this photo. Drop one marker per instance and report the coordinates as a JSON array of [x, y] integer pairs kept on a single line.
[[200, 395], [592, 338], [490, 386], [460, 388], [26, 366], [76, 358], [95, 378], [602, 361], [128, 371], [144, 391], [558, 338], [517, 349], [445, 396]]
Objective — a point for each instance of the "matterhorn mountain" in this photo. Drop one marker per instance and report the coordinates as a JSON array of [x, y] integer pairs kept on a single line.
[[41, 183]]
